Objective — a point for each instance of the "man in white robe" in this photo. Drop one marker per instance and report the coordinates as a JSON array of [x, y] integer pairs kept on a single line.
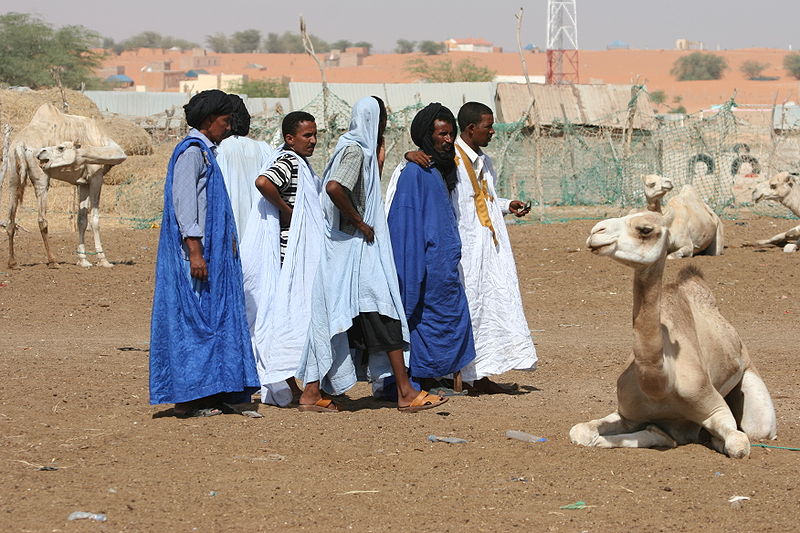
[[502, 337], [280, 256], [241, 159]]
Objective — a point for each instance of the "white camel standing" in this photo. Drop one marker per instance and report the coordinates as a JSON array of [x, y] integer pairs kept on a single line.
[[696, 229], [65, 147], [690, 371], [783, 188]]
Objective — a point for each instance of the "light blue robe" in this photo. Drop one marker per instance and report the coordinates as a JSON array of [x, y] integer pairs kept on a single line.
[[353, 276]]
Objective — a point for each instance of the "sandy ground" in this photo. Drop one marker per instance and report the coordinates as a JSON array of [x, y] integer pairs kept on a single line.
[[74, 396]]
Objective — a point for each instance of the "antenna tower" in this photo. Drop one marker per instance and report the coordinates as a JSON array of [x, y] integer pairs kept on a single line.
[[562, 42]]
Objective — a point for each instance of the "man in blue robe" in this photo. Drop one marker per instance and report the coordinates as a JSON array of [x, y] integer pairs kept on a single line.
[[200, 352], [427, 251]]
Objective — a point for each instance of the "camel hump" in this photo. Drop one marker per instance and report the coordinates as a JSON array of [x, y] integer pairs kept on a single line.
[[692, 284]]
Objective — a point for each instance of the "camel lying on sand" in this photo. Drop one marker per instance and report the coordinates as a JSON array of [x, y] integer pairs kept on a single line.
[[696, 229], [783, 188], [690, 373]]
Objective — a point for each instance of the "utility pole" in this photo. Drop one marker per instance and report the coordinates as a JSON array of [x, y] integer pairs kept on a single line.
[[562, 42]]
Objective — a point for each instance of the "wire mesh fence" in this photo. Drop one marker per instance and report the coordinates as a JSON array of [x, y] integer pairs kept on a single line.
[[723, 153]]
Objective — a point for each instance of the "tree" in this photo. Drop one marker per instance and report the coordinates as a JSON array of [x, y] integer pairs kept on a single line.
[[699, 66], [658, 97], [791, 62], [292, 43], [152, 39], [364, 44], [431, 48], [245, 42], [32, 50], [273, 88], [341, 44], [752, 69], [218, 43], [444, 71], [404, 46]]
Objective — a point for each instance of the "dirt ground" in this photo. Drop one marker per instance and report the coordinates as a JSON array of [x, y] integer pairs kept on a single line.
[[74, 355]]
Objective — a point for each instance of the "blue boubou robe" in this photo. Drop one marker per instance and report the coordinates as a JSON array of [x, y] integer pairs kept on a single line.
[[427, 250], [199, 339]]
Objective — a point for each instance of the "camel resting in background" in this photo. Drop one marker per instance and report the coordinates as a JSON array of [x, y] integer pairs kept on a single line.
[[69, 148], [696, 229], [783, 188], [690, 371]]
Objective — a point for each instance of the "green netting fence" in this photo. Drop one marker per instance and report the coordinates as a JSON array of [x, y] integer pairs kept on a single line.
[[723, 153]]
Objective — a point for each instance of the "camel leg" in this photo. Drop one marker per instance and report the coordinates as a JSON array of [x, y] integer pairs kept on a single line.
[[40, 189], [725, 436], [95, 184], [717, 246], [15, 197], [781, 238], [83, 208], [587, 433], [683, 251], [649, 437], [752, 407]]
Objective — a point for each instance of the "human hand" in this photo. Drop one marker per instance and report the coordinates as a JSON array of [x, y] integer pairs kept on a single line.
[[286, 218], [198, 266], [419, 157], [366, 229], [519, 208]]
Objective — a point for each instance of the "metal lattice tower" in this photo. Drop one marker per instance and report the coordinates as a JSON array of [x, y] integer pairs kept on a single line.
[[562, 42]]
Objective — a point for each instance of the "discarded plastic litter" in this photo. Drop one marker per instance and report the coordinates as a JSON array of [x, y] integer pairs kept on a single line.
[[737, 501], [575, 506], [252, 414], [48, 468], [524, 437], [448, 440], [80, 515]]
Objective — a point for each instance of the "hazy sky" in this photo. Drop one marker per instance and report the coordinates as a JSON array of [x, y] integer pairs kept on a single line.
[[642, 23]]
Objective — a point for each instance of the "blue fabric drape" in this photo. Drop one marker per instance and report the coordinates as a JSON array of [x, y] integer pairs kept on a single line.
[[199, 339], [427, 251]]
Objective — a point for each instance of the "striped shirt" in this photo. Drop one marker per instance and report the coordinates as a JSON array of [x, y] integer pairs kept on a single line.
[[284, 174]]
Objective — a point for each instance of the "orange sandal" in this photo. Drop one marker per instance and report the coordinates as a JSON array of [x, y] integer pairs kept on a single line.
[[324, 405], [424, 400]]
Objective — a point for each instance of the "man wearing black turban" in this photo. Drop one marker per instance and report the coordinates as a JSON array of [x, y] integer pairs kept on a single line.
[[200, 354], [442, 154], [427, 251]]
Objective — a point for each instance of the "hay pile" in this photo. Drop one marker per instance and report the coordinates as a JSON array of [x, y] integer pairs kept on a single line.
[[131, 138], [17, 108]]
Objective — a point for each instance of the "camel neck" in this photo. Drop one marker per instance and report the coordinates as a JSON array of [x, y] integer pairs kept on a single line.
[[648, 345], [654, 205], [792, 201]]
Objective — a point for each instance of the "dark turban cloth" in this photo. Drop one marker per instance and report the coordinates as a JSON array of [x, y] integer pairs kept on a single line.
[[421, 130], [205, 104], [240, 120]]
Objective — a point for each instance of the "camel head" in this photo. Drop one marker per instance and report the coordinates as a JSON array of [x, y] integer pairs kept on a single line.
[[655, 187], [74, 155], [776, 188], [65, 154], [635, 240]]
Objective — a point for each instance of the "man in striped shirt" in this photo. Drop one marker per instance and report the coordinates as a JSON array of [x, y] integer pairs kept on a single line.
[[278, 183]]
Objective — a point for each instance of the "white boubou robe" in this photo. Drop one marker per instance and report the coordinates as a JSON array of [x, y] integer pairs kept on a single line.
[[502, 337], [241, 159], [278, 298]]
